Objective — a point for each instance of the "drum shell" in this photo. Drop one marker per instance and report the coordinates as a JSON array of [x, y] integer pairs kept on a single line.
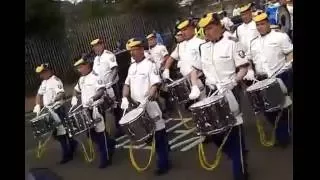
[[139, 129], [42, 125], [216, 113], [180, 91], [78, 122], [266, 99]]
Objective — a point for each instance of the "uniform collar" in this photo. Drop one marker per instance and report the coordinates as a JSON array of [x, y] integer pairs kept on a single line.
[[218, 39], [266, 33], [195, 36]]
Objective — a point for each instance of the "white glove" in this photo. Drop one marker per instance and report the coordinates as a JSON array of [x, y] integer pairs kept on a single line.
[[124, 103], [74, 101], [166, 74], [37, 109], [90, 102], [249, 76], [195, 93]]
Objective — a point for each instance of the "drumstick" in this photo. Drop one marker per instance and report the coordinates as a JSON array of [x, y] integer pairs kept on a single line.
[[124, 112]]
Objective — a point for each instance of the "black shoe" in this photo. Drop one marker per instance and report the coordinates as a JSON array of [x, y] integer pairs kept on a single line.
[[282, 144], [65, 160], [160, 172], [105, 164], [242, 177]]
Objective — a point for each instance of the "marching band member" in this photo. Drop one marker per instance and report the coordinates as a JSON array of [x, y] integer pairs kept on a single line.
[[186, 54], [269, 53], [142, 82], [158, 52], [219, 58], [51, 91], [92, 88], [247, 30], [226, 21], [106, 66]]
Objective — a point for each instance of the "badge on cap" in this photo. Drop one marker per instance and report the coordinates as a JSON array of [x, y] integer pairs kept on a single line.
[[99, 82], [59, 86], [241, 53]]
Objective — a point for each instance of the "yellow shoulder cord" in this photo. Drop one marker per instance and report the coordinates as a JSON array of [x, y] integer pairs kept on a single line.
[[91, 156], [184, 120], [41, 147], [133, 161], [263, 140], [202, 157]]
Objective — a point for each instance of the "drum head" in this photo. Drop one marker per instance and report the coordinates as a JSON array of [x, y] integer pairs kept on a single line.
[[40, 117], [130, 116], [206, 101], [261, 84], [174, 83]]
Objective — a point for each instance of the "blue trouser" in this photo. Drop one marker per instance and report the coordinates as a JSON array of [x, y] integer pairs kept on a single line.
[[283, 130], [162, 149], [235, 149], [68, 145]]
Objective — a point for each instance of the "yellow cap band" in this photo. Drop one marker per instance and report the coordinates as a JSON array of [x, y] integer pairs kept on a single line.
[[132, 43], [260, 17], [80, 61], [94, 42], [150, 36], [40, 68], [205, 20], [245, 8], [183, 24]]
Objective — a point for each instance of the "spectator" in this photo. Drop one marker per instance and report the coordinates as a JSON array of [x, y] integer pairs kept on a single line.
[[236, 10], [159, 38]]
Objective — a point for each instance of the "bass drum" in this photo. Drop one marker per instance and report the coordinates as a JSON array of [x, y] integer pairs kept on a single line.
[[284, 19]]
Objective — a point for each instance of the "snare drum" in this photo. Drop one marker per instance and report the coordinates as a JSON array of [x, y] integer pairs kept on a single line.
[[78, 122], [266, 95], [180, 90], [137, 125], [212, 115], [42, 124]]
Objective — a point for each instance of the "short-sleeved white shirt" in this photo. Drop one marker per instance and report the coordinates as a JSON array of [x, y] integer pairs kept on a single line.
[[158, 52], [245, 33], [268, 52], [187, 52], [88, 86], [219, 60], [103, 64], [49, 89]]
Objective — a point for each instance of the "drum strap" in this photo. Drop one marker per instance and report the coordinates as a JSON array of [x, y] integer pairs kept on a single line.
[[41, 147], [133, 161], [263, 140], [202, 157]]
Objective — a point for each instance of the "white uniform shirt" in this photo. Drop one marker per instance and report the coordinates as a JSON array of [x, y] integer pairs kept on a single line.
[[103, 64], [227, 23], [49, 89], [245, 33], [268, 52], [227, 34], [141, 76], [188, 54], [158, 52], [218, 62], [88, 86], [290, 9]]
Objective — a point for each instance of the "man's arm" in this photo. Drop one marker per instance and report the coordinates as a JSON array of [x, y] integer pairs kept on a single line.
[[99, 93], [126, 91]]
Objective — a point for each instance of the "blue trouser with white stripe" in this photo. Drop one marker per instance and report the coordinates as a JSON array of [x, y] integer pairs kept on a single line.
[[235, 149], [283, 129], [162, 149]]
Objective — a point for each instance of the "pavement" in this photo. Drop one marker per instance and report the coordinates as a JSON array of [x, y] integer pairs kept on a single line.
[[264, 163]]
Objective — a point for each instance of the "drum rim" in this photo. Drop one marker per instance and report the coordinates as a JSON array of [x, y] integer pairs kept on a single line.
[[128, 122], [38, 118], [214, 100], [250, 88]]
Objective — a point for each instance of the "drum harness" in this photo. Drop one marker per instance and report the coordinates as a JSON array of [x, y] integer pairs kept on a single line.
[[40, 149], [152, 152], [263, 140], [201, 154]]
